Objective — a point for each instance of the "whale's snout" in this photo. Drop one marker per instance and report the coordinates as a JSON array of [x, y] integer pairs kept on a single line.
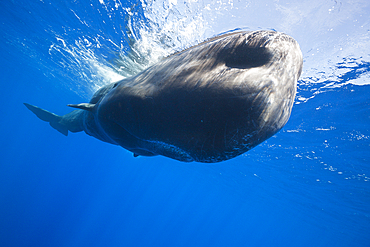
[[254, 49]]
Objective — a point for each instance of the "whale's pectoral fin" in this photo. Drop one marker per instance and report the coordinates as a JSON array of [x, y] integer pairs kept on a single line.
[[83, 106], [49, 117]]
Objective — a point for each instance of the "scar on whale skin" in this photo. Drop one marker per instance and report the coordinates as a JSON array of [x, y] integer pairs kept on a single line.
[[209, 103]]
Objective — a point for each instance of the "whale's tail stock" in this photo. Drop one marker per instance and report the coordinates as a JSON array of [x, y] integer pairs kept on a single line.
[[68, 122]]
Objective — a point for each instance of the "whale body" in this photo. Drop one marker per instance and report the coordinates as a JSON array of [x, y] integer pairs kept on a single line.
[[209, 103]]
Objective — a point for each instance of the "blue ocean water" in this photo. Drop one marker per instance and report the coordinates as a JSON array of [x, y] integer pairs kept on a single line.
[[309, 185]]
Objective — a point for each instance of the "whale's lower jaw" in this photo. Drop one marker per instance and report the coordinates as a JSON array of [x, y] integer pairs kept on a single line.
[[234, 148], [168, 150]]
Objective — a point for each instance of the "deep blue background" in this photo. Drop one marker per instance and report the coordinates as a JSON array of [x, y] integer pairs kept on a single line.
[[306, 186]]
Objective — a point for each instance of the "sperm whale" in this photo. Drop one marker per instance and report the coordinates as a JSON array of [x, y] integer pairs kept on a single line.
[[209, 103]]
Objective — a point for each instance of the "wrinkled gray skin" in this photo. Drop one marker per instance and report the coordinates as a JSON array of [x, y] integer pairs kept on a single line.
[[209, 103]]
